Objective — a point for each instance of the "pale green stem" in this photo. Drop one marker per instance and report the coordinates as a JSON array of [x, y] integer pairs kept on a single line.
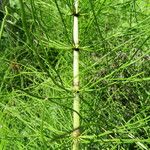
[[76, 100], [3, 22]]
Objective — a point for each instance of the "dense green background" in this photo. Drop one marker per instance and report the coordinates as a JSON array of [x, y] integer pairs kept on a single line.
[[36, 75]]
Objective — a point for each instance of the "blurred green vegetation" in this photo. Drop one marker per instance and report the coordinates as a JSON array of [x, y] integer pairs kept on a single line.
[[36, 75]]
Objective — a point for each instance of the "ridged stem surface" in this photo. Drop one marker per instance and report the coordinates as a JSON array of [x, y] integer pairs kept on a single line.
[[76, 100]]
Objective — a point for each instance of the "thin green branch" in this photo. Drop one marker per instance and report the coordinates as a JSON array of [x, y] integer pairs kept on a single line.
[[3, 22], [24, 22]]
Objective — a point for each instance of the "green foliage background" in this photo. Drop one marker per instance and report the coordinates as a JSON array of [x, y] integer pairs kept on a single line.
[[36, 75]]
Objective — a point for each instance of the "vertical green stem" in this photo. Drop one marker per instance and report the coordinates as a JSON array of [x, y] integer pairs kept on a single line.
[[76, 100], [24, 22], [3, 22]]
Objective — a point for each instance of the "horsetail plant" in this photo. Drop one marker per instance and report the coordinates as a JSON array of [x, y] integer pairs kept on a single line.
[[76, 100]]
